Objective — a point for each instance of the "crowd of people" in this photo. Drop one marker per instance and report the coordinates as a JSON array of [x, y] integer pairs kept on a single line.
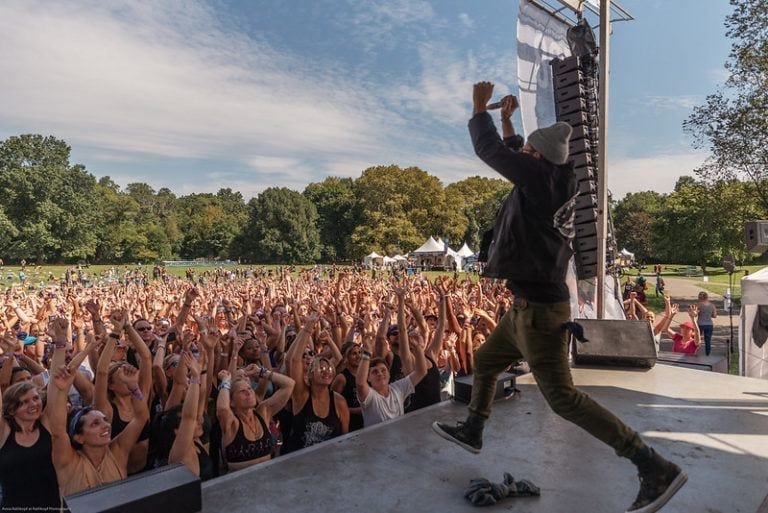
[[103, 383]]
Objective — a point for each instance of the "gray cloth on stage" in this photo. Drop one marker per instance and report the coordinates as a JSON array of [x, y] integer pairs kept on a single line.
[[482, 492]]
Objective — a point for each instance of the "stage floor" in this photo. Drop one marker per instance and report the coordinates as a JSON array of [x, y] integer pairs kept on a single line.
[[713, 425]]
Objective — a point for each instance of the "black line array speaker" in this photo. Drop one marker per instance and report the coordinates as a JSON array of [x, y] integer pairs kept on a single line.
[[173, 488], [576, 101], [615, 343]]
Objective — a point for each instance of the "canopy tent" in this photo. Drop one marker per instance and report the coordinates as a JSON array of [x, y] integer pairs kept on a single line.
[[373, 259], [435, 253], [430, 246], [399, 258], [389, 260], [465, 252], [753, 325]]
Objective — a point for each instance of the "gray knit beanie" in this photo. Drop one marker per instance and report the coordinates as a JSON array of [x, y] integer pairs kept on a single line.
[[552, 142]]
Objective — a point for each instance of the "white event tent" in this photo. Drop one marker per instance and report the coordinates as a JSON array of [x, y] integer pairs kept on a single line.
[[753, 325], [373, 259]]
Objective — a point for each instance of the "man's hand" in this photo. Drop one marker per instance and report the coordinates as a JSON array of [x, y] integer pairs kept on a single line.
[[508, 106], [481, 95]]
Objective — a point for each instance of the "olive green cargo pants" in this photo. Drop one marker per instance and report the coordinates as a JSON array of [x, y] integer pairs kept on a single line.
[[534, 332]]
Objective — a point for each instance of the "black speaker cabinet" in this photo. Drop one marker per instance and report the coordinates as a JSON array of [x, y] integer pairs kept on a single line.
[[462, 387], [173, 488], [756, 236], [615, 343]]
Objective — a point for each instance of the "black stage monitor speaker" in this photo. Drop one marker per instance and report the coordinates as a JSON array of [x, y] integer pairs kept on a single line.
[[617, 343], [462, 387], [173, 488], [756, 236]]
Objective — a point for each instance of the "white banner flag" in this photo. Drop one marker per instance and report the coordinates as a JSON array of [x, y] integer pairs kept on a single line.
[[540, 38]]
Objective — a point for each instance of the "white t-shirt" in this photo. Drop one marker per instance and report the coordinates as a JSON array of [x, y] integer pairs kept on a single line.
[[377, 408]]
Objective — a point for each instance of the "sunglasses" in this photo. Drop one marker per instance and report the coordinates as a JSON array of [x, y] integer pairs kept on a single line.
[[309, 354], [144, 328]]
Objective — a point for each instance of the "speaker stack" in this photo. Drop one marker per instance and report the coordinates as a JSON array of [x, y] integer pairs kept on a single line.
[[576, 102]]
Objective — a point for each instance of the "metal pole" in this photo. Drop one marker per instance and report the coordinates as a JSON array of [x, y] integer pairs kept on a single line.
[[730, 319], [602, 158]]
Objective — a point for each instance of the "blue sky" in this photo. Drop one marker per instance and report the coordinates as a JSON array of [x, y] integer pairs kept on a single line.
[[197, 95]]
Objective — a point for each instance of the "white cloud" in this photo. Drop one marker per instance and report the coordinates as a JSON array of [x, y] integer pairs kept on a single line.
[[466, 20], [165, 79], [679, 102], [653, 173]]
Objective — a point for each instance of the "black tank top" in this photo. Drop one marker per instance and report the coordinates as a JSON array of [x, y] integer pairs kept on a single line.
[[308, 429], [350, 395], [242, 449], [27, 475], [427, 392], [205, 462], [396, 371], [118, 425]]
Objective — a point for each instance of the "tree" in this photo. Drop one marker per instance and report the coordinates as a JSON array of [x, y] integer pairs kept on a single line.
[[733, 122], [389, 192], [633, 218], [480, 199], [47, 204], [281, 228], [700, 223], [338, 214], [209, 223]]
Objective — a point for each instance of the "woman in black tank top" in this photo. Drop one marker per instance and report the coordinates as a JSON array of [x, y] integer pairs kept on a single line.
[[319, 414], [112, 398], [187, 424], [27, 475], [244, 419]]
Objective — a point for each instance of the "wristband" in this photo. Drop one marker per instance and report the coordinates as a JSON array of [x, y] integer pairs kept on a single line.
[[265, 351], [262, 371], [136, 392], [225, 385], [367, 353], [194, 381], [114, 335], [224, 354], [365, 357], [60, 344]]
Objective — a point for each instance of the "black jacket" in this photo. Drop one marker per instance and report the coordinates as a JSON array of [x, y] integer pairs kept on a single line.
[[533, 230]]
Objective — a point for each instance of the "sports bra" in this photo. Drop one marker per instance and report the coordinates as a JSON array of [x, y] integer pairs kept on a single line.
[[241, 449]]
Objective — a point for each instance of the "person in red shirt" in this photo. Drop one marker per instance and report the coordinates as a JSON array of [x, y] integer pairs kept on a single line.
[[689, 338]]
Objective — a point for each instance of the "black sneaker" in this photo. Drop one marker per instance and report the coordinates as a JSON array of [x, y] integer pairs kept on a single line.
[[469, 439], [659, 482]]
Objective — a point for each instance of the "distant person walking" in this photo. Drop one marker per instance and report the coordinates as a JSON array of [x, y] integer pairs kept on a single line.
[[707, 312]]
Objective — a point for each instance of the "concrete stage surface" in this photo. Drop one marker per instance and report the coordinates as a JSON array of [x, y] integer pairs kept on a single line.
[[713, 425]]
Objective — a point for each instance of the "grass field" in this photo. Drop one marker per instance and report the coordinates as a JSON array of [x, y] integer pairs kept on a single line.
[[9, 275]]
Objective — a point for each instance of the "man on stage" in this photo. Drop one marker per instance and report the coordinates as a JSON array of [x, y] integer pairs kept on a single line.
[[531, 248]]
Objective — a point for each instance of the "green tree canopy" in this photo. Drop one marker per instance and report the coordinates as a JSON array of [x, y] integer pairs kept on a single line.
[[47, 204], [338, 214], [281, 228], [733, 122]]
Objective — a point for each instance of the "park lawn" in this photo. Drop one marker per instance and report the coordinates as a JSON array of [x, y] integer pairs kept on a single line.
[[9, 275]]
